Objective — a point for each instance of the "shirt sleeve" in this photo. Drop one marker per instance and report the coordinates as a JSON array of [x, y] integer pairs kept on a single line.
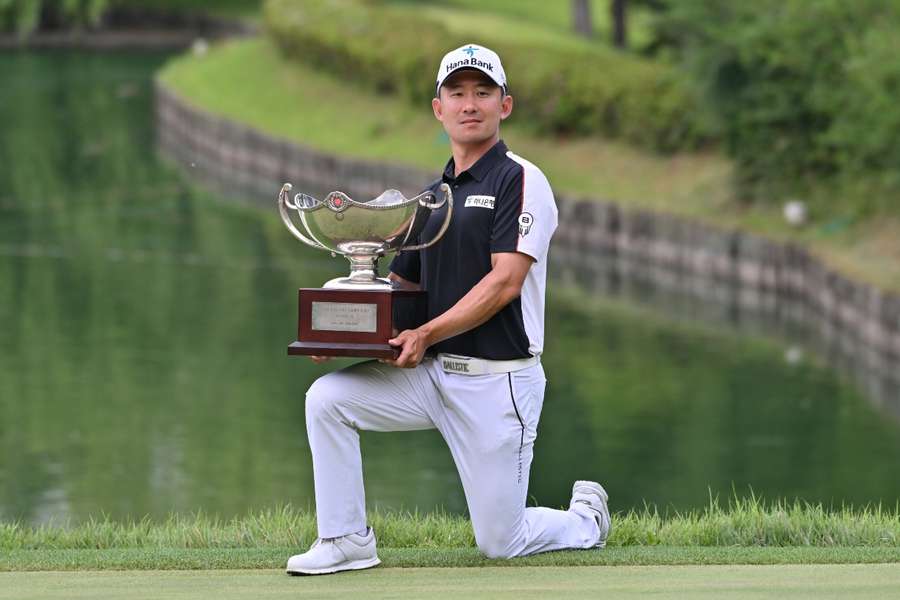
[[526, 215], [407, 265]]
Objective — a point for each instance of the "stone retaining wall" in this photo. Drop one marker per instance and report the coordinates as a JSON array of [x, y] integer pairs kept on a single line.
[[596, 240]]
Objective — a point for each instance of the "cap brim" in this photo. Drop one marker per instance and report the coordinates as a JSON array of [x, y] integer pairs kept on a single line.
[[487, 74]]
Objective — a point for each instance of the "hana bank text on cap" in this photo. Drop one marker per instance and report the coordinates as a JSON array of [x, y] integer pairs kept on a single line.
[[472, 56]]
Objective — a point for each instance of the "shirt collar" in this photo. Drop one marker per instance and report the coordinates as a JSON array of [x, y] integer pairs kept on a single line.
[[481, 167]]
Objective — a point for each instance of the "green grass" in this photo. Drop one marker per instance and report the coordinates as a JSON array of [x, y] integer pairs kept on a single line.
[[731, 582], [747, 522], [538, 19], [493, 26], [250, 82], [231, 9], [275, 557]]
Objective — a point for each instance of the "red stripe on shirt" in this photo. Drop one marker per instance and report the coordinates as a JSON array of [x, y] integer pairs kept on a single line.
[[521, 208]]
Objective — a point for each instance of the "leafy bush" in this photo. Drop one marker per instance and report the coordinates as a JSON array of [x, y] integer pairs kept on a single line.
[[558, 90], [25, 16], [805, 90]]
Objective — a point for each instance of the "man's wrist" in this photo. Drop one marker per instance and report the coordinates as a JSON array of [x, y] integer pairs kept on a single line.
[[427, 331]]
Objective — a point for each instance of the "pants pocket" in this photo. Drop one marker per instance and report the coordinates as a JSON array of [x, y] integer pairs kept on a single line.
[[527, 396]]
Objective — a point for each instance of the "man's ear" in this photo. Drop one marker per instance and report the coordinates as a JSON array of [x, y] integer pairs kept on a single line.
[[506, 106], [437, 108]]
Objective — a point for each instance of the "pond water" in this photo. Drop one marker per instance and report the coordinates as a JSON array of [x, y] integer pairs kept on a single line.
[[143, 326]]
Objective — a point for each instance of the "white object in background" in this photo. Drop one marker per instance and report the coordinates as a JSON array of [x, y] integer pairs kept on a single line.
[[200, 47], [793, 355], [795, 213]]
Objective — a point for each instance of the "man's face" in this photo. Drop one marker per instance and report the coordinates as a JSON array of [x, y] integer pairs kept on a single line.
[[470, 107]]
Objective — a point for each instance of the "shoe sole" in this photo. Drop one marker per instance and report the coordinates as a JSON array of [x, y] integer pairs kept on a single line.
[[355, 565]]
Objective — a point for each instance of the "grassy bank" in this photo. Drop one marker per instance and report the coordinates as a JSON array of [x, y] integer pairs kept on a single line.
[[746, 531], [742, 523], [249, 82], [550, 21], [230, 9]]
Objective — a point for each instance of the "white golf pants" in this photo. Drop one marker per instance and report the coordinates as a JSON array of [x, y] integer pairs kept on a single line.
[[489, 423]]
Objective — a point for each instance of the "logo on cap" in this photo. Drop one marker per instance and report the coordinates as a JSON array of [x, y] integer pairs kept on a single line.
[[464, 57]]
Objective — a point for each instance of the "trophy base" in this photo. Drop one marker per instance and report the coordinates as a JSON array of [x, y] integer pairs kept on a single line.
[[335, 349], [354, 322]]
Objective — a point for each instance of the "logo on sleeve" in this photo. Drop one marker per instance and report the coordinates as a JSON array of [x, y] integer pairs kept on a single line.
[[481, 201], [526, 220]]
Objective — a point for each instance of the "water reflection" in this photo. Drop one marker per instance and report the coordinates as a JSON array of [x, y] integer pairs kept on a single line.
[[143, 366], [801, 329]]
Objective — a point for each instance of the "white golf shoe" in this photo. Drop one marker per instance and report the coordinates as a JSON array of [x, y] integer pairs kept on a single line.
[[347, 553], [592, 496]]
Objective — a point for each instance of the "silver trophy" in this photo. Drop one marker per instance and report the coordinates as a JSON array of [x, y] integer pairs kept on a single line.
[[358, 314], [363, 231]]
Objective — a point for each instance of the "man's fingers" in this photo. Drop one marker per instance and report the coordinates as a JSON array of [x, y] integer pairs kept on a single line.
[[408, 343], [403, 359]]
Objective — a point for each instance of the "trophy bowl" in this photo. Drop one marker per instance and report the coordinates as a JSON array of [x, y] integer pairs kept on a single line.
[[363, 231], [357, 315]]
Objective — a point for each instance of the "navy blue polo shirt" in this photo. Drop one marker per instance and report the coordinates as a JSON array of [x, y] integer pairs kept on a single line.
[[502, 203]]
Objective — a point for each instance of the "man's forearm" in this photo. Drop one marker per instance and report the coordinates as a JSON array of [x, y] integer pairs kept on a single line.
[[492, 293]]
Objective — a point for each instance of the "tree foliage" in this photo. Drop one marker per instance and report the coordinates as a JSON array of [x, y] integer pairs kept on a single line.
[[26, 16], [558, 90], [804, 90]]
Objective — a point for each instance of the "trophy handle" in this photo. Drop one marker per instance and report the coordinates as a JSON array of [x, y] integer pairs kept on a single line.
[[284, 203], [448, 200]]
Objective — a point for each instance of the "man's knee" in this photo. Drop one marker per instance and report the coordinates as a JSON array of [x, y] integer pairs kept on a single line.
[[496, 545], [322, 397]]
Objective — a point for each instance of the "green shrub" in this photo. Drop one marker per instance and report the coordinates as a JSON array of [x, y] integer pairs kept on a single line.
[[572, 91], [865, 127], [805, 90], [25, 16]]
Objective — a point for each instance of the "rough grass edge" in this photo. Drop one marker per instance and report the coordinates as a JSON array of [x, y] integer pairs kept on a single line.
[[741, 522], [127, 559]]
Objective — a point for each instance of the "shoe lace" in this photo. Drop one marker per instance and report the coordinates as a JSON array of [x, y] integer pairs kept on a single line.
[[320, 541]]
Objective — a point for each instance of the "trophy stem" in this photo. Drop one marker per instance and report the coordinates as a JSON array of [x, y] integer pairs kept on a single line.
[[363, 274], [363, 267]]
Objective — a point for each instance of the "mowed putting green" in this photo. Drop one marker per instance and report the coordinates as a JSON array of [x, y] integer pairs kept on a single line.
[[719, 581]]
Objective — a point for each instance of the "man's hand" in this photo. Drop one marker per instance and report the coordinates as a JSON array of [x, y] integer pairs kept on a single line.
[[412, 344], [320, 359], [495, 290]]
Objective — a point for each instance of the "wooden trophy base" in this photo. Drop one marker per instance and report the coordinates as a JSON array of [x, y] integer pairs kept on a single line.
[[341, 322]]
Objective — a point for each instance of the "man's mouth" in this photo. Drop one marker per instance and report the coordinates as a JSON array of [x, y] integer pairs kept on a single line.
[[468, 121]]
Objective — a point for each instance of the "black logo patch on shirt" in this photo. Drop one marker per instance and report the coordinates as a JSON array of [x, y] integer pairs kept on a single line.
[[526, 220]]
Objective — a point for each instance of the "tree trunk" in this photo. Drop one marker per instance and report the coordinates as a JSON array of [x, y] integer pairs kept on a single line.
[[619, 23], [581, 18]]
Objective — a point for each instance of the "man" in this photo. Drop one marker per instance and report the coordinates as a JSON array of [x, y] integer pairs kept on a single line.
[[482, 384]]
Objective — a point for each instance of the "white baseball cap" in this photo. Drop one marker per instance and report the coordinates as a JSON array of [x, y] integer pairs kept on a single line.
[[471, 56]]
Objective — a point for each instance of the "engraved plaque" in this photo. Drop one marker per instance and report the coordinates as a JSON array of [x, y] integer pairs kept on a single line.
[[344, 316], [337, 322]]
